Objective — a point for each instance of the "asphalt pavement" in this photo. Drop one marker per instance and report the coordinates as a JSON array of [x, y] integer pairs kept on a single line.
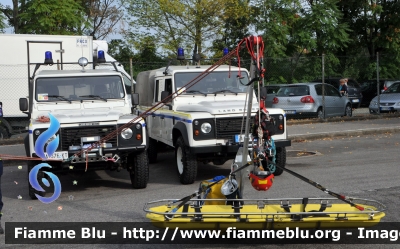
[[361, 123]]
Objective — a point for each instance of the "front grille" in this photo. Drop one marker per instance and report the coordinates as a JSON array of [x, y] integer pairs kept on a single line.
[[387, 104], [72, 136], [227, 128]]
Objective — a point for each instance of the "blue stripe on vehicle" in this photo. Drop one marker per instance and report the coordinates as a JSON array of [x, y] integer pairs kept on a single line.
[[30, 131], [169, 116]]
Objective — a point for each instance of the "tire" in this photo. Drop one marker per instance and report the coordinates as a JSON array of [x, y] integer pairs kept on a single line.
[[186, 162], [320, 113], [139, 173], [41, 175], [348, 111], [152, 150], [3, 133], [280, 160]]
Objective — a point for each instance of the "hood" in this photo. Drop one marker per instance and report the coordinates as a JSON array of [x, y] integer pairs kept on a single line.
[[98, 115], [216, 107], [388, 97]]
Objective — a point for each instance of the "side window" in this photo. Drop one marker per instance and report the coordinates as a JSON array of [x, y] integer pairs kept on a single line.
[[318, 89], [331, 91], [127, 84], [168, 85], [160, 87]]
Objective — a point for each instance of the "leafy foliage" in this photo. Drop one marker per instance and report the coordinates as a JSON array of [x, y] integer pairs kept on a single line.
[[51, 17]]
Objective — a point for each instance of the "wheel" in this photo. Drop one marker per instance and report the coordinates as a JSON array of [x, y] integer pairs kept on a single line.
[[152, 150], [348, 111], [40, 176], [3, 133], [320, 113], [186, 162], [280, 160], [140, 169]]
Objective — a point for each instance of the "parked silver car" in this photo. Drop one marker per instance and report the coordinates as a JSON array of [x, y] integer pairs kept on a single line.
[[305, 100], [389, 100]]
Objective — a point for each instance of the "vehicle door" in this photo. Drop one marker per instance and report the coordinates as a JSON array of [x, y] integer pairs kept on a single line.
[[325, 98], [155, 123], [336, 103], [167, 118]]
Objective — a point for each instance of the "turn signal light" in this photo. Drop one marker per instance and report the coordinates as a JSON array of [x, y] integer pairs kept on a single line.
[[138, 136], [196, 132], [280, 127], [307, 99]]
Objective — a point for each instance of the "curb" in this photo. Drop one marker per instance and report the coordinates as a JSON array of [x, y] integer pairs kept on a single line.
[[339, 134], [341, 119]]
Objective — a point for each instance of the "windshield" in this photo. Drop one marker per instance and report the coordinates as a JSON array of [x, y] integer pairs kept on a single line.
[[395, 88], [293, 91], [79, 88], [213, 82]]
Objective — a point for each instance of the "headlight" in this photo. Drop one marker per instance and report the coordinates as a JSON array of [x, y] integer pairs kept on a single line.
[[138, 126], [374, 103], [206, 127], [126, 133]]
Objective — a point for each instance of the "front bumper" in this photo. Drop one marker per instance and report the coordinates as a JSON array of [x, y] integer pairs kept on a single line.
[[231, 148], [96, 156], [383, 109]]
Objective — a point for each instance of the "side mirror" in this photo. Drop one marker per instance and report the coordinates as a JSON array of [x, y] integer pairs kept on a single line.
[[164, 95], [135, 99], [23, 104]]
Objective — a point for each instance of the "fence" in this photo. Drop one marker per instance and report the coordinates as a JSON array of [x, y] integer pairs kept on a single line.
[[299, 101]]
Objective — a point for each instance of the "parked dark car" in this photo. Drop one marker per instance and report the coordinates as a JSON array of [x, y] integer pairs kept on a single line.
[[369, 89], [353, 89]]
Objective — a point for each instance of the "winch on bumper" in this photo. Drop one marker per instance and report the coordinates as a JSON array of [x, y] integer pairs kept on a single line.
[[73, 140]]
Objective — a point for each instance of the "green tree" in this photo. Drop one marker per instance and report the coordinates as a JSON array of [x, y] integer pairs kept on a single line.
[[2, 22], [52, 17], [178, 23], [375, 28], [145, 58], [102, 17], [235, 28]]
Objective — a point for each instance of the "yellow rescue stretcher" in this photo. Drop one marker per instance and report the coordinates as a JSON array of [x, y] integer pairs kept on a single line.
[[304, 213]]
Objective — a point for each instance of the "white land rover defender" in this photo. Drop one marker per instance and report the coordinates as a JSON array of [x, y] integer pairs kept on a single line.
[[203, 122], [89, 104]]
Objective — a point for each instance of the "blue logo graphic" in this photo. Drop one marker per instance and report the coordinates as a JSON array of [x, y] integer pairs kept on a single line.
[[47, 137]]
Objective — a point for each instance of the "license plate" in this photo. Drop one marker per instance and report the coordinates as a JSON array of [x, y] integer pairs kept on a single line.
[[386, 108], [58, 155], [239, 138], [290, 112], [355, 100]]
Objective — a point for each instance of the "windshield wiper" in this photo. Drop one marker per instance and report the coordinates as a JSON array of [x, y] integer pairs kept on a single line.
[[222, 91], [94, 96], [60, 97], [196, 91]]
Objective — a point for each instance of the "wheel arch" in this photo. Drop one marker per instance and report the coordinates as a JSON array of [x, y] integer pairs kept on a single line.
[[180, 130]]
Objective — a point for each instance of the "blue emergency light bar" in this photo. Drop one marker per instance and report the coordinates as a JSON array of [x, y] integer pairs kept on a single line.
[[226, 51], [181, 54], [48, 58], [101, 57]]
